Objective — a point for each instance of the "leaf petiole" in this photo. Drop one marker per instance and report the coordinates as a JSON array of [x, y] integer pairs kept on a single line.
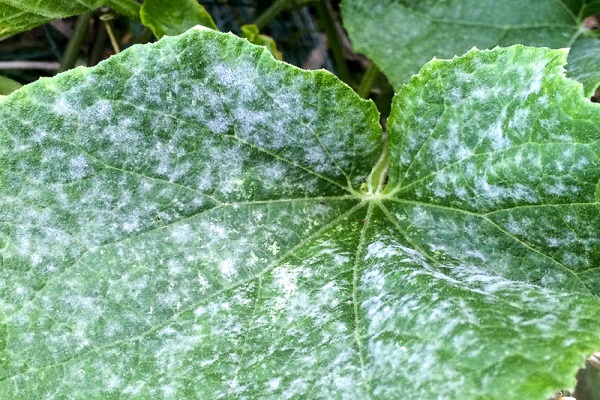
[[378, 177]]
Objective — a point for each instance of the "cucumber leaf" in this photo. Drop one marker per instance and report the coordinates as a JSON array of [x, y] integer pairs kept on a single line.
[[194, 219], [400, 36]]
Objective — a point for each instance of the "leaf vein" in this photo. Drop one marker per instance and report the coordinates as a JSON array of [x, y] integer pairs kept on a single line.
[[503, 231], [206, 300]]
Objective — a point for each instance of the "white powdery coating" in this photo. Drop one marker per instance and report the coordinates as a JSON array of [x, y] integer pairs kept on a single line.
[[489, 151], [564, 233], [447, 324], [123, 224], [226, 292], [244, 336], [498, 243], [169, 270], [523, 177]]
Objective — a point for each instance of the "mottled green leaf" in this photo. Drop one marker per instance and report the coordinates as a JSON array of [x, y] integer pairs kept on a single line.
[[494, 165], [185, 221], [174, 17], [21, 15], [401, 35]]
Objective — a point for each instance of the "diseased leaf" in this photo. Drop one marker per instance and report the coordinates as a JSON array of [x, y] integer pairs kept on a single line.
[[185, 221], [174, 17], [401, 35], [20, 15], [493, 176]]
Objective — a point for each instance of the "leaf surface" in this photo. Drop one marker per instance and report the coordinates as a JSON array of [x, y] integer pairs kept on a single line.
[[402, 35], [184, 221]]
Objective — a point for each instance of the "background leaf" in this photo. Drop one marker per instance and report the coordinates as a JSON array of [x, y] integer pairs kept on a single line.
[[174, 17], [8, 85], [583, 62], [183, 221], [129, 8], [252, 33], [400, 36], [21, 15]]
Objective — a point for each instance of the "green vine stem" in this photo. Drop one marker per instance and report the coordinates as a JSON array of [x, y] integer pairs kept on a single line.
[[367, 81], [97, 52], [377, 179], [72, 51], [263, 19], [335, 44]]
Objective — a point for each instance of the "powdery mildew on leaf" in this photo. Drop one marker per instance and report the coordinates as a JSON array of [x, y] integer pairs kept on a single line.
[[534, 182], [505, 215], [183, 221], [427, 326], [136, 192]]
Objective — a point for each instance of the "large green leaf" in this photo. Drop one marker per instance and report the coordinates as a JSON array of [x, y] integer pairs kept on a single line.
[[21, 15], [401, 35], [185, 221]]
